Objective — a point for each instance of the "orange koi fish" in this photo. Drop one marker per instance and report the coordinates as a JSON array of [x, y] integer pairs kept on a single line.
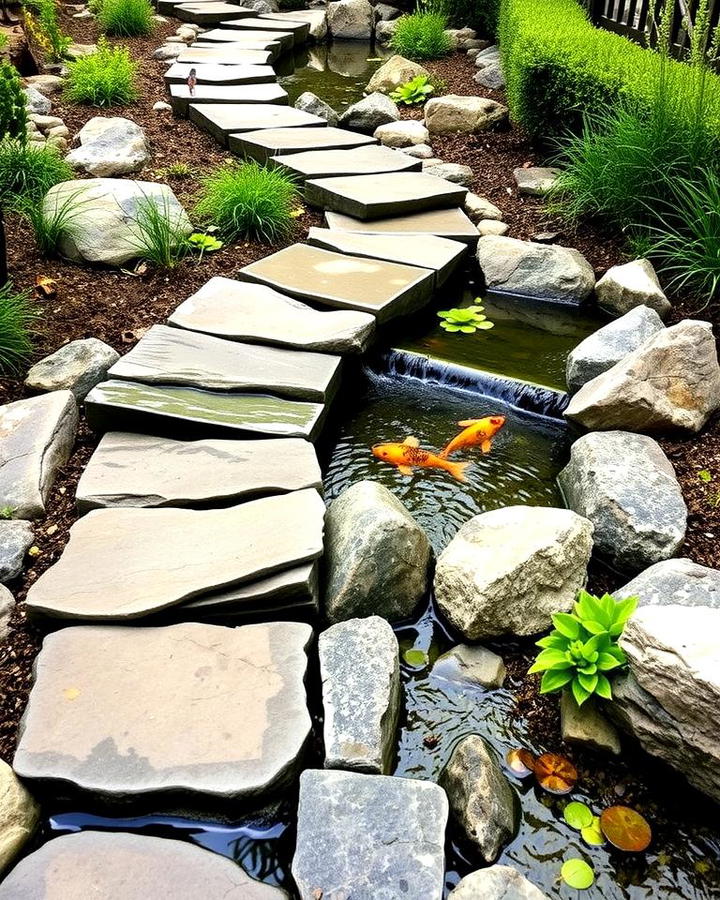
[[475, 431], [409, 455]]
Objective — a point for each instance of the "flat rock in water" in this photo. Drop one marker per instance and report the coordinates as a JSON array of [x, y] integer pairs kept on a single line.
[[299, 30], [126, 866], [76, 367], [115, 405], [223, 119], [166, 355], [426, 251], [361, 694], [16, 538], [144, 560], [471, 664], [316, 19], [674, 582], [181, 98], [369, 836], [269, 142], [369, 160], [382, 288], [210, 12], [380, 196], [496, 883], [244, 311], [236, 695], [587, 726], [142, 470], [228, 55], [36, 438], [447, 223], [209, 73]]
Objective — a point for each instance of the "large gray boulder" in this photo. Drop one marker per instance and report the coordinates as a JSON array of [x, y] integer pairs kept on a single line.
[[608, 345], [496, 883], [671, 382], [506, 571], [670, 697], [384, 32], [547, 272], [626, 486], [102, 226], [376, 555], [368, 114], [361, 694], [350, 20], [16, 538], [481, 799], [633, 284], [76, 367], [395, 71], [674, 582], [311, 103], [369, 836], [19, 817], [456, 114], [110, 146]]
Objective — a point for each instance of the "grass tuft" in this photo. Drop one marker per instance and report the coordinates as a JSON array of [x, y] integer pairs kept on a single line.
[[126, 18], [421, 35], [16, 320], [159, 233], [52, 226], [104, 78], [27, 172]]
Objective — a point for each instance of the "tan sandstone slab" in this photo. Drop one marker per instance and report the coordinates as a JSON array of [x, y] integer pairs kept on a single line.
[[210, 12], [190, 711], [176, 356], [240, 45], [228, 35], [126, 563], [180, 97], [268, 142], [221, 120], [447, 223], [227, 55], [142, 470], [244, 311], [384, 289], [299, 30], [209, 73], [367, 160]]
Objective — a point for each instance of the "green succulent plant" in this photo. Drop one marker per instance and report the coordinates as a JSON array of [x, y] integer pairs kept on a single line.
[[206, 243], [413, 92], [583, 647], [466, 320]]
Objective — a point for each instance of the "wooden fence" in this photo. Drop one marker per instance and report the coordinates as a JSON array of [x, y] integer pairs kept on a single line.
[[638, 19]]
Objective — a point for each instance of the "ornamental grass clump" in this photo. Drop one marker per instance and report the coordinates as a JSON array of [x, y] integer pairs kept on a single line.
[[126, 18], [16, 319], [159, 233], [28, 171], [421, 35], [104, 78]]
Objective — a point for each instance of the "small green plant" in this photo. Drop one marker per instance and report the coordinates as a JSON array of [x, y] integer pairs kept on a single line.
[[413, 92], [13, 114], [41, 20], [28, 171], [104, 78], [178, 170], [205, 243], [421, 35], [466, 320], [712, 494], [126, 18], [52, 225], [246, 200], [159, 233], [16, 319], [584, 646]]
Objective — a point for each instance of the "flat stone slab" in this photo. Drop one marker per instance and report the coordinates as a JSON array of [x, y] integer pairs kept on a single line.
[[141, 470], [116, 405], [447, 223], [175, 356], [369, 836], [210, 13], [378, 196], [299, 30], [264, 144], [180, 97], [244, 311], [209, 73], [36, 438], [381, 288], [221, 120], [145, 560], [427, 251], [226, 55], [130, 867], [364, 160], [229, 34], [226, 717]]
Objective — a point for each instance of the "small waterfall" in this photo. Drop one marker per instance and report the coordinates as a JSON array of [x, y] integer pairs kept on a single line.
[[522, 395]]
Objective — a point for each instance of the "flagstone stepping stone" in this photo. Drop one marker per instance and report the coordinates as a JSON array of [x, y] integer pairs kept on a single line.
[[36, 439], [167, 7], [316, 18], [209, 73], [299, 30], [142, 470], [447, 223], [167, 355], [239, 46], [266, 39], [180, 97], [117, 405], [145, 560], [236, 696], [427, 251], [369, 836], [379, 196], [221, 120], [226, 55], [244, 311], [210, 13], [270, 142], [125, 866], [382, 288], [367, 160]]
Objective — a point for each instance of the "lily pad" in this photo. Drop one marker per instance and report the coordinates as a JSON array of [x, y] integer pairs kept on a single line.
[[555, 774], [578, 815], [521, 762], [592, 834], [626, 829], [576, 873], [418, 659]]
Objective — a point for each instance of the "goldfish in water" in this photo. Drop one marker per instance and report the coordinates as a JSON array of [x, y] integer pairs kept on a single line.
[[475, 431], [409, 455]]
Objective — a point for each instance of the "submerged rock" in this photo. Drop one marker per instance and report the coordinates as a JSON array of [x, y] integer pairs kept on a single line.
[[453, 114], [496, 883], [587, 726], [76, 367], [675, 582], [311, 103], [16, 538], [633, 284], [368, 114], [394, 72], [19, 818], [474, 665]]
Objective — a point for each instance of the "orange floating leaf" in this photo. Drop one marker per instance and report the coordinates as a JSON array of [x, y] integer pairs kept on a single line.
[[555, 774], [626, 829], [521, 762]]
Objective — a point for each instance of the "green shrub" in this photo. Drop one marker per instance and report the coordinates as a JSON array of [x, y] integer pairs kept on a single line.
[[482, 15], [13, 114], [126, 18], [421, 35], [41, 21], [159, 233], [16, 318], [248, 200], [104, 78], [28, 171]]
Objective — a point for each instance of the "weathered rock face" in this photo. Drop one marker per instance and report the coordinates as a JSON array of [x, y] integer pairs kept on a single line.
[[671, 382], [368, 114], [481, 799], [384, 32], [19, 817], [490, 73], [608, 345], [622, 288], [535, 181], [7, 607], [627, 487], [395, 71], [675, 582], [479, 208], [96, 727], [454, 172], [76, 367], [311, 103], [406, 133], [496, 883], [506, 571], [15, 540], [535, 270], [130, 866], [376, 555], [587, 726], [46, 84], [104, 214], [361, 694], [670, 698], [350, 19], [36, 439], [369, 836], [110, 146], [36, 102], [473, 665], [492, 227], [453, 113]]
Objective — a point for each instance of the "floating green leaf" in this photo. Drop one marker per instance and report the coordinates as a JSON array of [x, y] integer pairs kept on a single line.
[[592, 834], [578, 815], [418, 659], [467, 320], [576, 873]]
